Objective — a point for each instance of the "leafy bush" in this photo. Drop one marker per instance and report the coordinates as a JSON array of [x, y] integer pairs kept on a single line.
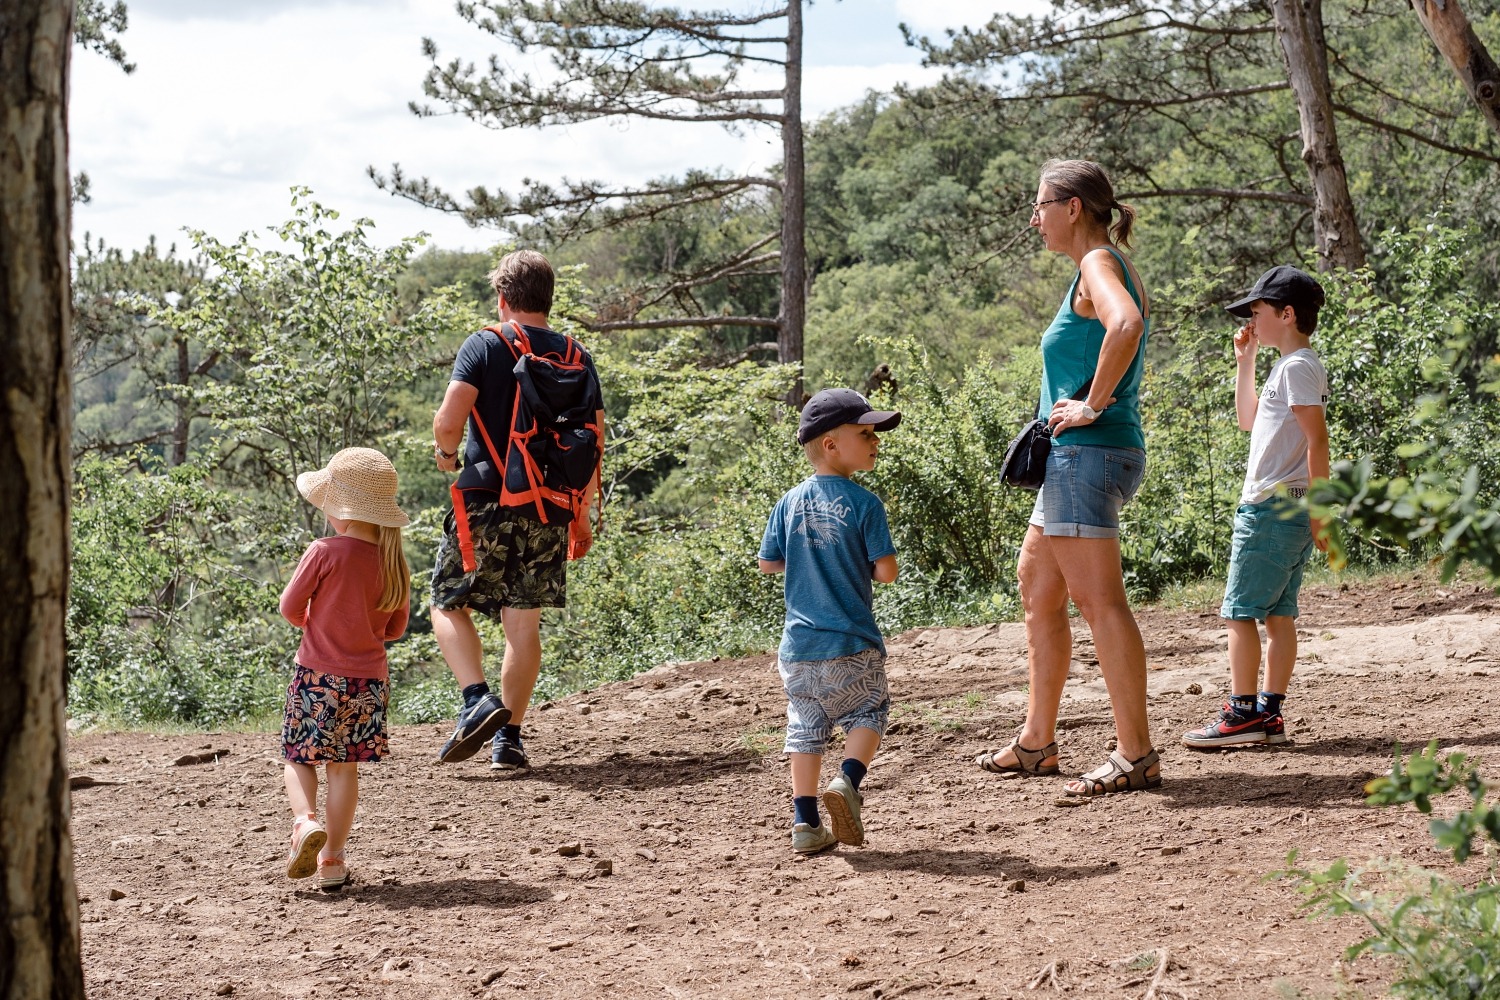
[[1445, 937], [164, 623]]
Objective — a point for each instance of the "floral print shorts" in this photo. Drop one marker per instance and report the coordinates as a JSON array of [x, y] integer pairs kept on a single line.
[[333, 719]]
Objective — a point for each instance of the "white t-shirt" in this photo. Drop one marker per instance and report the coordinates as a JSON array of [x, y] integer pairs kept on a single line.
[[1278, 448]]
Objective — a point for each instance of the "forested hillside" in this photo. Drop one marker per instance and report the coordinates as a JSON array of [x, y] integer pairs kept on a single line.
[[205, 381]]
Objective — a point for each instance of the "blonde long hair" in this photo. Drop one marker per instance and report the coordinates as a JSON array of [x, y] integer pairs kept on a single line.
[[395, 575]]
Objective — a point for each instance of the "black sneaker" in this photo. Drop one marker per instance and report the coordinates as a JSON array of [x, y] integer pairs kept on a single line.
[[476, 724], [507, 754], [1229, 729], [1275, 728]]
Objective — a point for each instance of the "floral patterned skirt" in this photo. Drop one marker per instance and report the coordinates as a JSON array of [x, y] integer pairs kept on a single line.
[[333, 719]]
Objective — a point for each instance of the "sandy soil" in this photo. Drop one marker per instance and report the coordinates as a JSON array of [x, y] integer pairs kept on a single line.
[[647, 853]]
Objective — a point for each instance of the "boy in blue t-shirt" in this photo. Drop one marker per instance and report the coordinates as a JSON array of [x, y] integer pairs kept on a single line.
[[830, 536]]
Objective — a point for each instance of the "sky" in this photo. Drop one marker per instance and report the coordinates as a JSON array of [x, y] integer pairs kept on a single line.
[[233, 103]]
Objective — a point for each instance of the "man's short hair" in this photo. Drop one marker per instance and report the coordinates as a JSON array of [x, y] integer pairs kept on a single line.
[[524, 279]]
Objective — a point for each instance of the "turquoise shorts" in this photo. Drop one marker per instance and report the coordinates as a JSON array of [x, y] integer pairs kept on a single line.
[[1272, 543]]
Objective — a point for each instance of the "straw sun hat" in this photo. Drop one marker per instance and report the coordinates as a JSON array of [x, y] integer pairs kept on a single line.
[[359, 484]]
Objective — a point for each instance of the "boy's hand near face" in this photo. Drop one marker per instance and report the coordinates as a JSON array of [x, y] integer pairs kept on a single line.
[[1245, 344]]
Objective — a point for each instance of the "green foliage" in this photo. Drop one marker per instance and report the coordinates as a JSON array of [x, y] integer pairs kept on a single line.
[[164, 624], [1418, 451], [313, 342], [1445, 937]]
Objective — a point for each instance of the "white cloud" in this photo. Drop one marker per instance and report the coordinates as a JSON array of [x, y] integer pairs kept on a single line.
[[222, 117], [926, 17]]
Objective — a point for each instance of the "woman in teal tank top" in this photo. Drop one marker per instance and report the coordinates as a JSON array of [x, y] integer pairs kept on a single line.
[[1094, 351]]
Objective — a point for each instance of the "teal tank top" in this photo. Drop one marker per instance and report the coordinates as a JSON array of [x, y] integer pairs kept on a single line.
[[1070, 354]]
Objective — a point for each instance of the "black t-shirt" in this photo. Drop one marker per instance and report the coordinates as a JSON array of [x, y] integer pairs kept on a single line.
[[486, 362]]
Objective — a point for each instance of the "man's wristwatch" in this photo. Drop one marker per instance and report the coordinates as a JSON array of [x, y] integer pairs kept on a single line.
[[1089, 411], [445, 455]]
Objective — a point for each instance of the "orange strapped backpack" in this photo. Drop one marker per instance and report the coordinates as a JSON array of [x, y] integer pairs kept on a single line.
[[555, 448]]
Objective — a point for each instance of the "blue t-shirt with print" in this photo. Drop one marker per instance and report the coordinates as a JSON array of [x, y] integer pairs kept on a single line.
[[830, 531]]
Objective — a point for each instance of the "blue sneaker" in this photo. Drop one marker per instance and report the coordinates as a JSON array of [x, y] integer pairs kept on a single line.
[[507, 754], [476, 724], [843, 804]]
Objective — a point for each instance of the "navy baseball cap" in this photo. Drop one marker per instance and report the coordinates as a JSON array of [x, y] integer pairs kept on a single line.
[[832, 408], [1282, 283]]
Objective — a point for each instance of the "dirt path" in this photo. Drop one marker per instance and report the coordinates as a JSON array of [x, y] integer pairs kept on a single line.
[[672, 788]]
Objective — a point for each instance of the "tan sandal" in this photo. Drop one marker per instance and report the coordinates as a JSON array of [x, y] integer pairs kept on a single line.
[[1028, 762], [1119, 774], [308, 838]]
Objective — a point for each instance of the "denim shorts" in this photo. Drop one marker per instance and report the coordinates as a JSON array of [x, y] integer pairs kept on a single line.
[[848, 691], [1272, 543], [1085, 488]]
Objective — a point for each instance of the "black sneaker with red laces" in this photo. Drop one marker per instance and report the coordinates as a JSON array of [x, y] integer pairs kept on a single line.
[[1229, 729]]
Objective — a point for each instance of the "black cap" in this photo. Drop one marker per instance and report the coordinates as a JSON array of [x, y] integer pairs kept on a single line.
[[1282, 283], [832, 408]]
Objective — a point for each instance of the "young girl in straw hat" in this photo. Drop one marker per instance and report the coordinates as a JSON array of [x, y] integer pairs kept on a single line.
[[350, 596]]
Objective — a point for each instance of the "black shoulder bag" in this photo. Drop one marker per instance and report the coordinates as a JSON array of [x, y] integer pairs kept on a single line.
[[1025, 463]]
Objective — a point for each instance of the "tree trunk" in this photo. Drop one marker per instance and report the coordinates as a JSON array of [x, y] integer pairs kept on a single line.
[[1455, 39], [39, 936], [793, 207], [182, 407], [1299, 28]]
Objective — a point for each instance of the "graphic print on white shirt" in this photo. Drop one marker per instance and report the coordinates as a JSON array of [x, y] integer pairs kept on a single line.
[[821, 521], [1278, 448]]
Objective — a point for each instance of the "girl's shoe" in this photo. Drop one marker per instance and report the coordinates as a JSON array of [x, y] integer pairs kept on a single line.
[[308, 838], [333, 874]]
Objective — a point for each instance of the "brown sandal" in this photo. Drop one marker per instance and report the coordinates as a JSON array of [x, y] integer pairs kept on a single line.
[[1028, 762], [1119, 774]]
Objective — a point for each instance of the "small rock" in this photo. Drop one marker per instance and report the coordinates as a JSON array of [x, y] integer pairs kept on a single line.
[[570, 850], [1070, 801], [643, 852], [1177, 904], [1193, 689], [1167, 852], [536, 850], [558, 945], [258, 828], [117, 894], [604, 866], [585, 709], [880, 916], [544, 797], [225, 989], [682, 714], [1016, 885], [851, 961], [491, 976], [928, 911], [439, 825]]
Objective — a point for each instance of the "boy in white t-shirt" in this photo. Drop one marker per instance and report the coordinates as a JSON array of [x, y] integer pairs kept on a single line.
[[1273, 534]]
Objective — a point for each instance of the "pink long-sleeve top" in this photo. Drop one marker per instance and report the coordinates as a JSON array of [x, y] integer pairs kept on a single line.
[[332, 598]]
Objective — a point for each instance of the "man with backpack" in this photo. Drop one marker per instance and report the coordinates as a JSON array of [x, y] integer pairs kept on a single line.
[[530, 400]]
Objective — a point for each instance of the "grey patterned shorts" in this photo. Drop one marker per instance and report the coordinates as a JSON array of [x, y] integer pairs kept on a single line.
[[848, 691], [522, 563]]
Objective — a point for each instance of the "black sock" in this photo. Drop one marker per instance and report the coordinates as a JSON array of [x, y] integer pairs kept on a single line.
[[474, 692], [1270, 703], [1242, 704], [512, 733], [854, 771], [805, 809]]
